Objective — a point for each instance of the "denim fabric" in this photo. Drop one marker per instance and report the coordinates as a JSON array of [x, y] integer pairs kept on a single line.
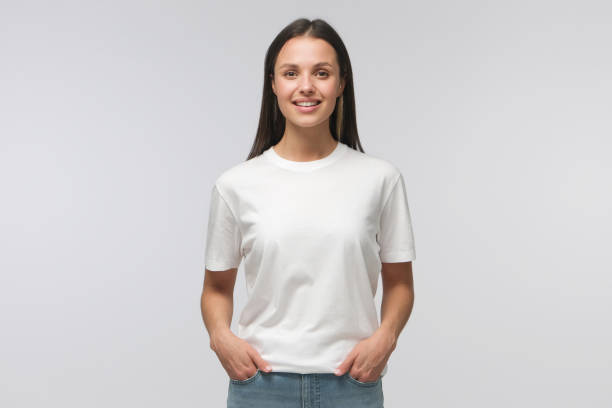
[[293, 390]]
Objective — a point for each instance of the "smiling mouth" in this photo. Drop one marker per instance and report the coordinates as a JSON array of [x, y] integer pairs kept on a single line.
[[306, 106]]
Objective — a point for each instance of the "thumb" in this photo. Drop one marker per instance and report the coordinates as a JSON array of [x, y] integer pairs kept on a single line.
[[346, 364], [259, 362]]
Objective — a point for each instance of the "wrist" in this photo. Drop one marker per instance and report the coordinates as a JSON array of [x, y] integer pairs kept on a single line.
[[389, 334], [218, 334]]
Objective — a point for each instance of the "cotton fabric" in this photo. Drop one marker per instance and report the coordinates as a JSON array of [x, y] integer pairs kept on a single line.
[[311, 237]]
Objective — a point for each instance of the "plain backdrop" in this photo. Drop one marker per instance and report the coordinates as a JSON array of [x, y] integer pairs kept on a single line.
[[116, 117]]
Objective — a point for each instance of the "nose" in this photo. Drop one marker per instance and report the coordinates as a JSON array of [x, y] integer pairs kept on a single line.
[[306, 85]]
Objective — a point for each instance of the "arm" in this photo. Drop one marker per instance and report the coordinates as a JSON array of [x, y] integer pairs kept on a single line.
[[237, 356], [217, 303], [397, 300], [373, 352]]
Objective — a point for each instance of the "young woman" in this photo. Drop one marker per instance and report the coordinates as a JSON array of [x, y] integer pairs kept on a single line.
[[314, 221]]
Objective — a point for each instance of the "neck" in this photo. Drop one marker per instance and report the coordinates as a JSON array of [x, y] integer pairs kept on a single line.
[[306, 144]]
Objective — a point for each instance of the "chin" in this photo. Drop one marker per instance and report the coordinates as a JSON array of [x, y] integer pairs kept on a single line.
[[306, 123]]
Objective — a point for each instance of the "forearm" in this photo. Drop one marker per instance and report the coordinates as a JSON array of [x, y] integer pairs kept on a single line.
[[396, 306], [217, 309]]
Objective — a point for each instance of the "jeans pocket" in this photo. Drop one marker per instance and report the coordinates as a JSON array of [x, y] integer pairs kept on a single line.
[[248, 380], [361, 383]]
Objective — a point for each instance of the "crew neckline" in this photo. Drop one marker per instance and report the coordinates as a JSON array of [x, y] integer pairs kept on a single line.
[[305, 166]]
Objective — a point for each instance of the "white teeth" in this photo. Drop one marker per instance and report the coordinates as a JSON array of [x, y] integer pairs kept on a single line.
[[306, 103]]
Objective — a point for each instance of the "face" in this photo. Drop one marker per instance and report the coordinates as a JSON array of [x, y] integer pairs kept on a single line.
[[307, 69]]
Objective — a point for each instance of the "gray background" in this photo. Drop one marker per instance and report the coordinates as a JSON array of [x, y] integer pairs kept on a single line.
[[117, 117]]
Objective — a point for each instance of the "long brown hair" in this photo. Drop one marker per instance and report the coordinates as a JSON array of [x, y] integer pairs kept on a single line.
[[343, 120]]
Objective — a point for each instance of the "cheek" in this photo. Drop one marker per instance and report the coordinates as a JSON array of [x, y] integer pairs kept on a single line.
[[284, 91], [284, 99], [330, 92]]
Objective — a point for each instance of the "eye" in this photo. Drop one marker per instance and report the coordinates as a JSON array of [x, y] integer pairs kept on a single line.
[[287, 74]]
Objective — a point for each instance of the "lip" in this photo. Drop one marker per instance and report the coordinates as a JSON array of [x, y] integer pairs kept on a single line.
[[306, 109], [306, 100]]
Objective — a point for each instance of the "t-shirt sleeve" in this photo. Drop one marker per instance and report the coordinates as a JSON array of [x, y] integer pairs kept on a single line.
[[223, 237], [395, 236]]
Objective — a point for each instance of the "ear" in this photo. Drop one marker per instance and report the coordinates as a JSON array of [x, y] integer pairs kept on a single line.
[[272, 82], [342, 84]]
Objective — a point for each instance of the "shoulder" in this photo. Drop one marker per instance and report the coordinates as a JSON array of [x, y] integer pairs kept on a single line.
[[374, 165], [240, 174]]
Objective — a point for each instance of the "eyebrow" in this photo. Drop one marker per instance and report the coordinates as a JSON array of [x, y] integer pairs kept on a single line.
[[319, 64]]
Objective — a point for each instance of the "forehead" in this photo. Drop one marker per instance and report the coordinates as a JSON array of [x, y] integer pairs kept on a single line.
[[306, 51]]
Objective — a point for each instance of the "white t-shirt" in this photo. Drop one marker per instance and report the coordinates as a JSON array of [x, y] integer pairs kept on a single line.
[[311, 237]]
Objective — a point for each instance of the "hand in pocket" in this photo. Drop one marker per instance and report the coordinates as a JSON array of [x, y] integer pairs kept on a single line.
[[239, 359]]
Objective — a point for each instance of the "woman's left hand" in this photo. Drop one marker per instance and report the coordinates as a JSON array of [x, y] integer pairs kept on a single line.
[[368, 358]]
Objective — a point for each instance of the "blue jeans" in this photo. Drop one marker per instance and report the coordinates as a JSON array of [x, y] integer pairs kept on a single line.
[[293, 390]]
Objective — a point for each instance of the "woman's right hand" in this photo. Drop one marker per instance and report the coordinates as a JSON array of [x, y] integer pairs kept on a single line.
[[239, 359]]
